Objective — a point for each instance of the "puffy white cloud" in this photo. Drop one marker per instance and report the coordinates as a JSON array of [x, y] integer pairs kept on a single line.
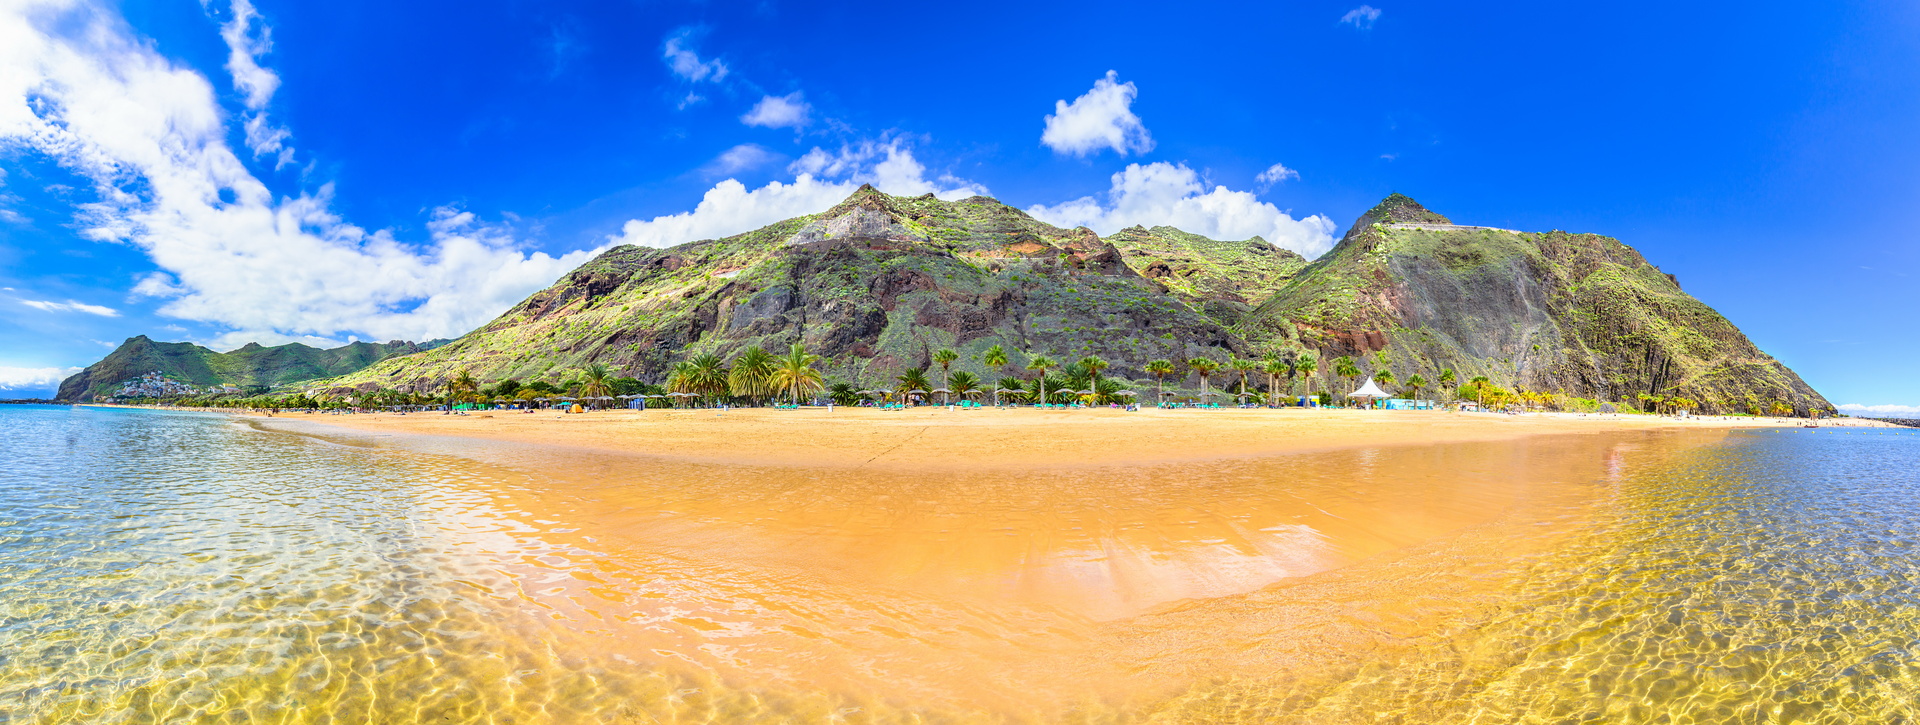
[[788, 111], [1274, 175], [78, 86], [1869, 411], [255, 83], [34, 379], [686, 63], [71, 306], [822, 179], [1361, 17], [1101, 118], [1174, 195]]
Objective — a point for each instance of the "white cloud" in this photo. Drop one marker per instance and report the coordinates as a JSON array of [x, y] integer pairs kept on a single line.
[[822, 179], [788, 111], [1101, 118], [686, 63], [1879, 410], [255, 83], [1274, 175], [34, 379], [71, 306], [78, 86], [1174, 195], [740, 158], [1361, 17]]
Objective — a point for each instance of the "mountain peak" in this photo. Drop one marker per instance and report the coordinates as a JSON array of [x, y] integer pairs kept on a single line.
[[1398, 208]]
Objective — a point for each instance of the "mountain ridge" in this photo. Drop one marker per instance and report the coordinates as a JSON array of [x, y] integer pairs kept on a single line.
[[249, 366]]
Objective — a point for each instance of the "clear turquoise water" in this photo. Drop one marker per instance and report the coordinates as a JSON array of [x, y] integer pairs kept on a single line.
[[179, 567]]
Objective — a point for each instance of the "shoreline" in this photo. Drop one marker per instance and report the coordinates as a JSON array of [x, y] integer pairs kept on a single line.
[[936, 437]]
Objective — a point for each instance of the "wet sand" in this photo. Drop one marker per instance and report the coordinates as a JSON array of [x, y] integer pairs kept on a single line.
[[1022, 438]]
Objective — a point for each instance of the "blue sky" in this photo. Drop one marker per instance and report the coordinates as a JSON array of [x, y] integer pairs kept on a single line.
[[330, 171]]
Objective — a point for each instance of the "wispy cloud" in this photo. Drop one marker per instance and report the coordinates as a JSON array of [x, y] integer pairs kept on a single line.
[[1361, 17], [741, 158], [788, 111], [34, 379], [1869, 411], [71, 306], [1101, 118], [246, 42], [1274, 175], [681, 58]]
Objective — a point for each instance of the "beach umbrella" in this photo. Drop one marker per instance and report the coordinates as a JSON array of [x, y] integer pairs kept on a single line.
[[1127, 393], [939, 390], [920, 392]]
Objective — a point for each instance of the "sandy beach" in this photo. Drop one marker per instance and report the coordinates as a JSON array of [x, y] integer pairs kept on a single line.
[[941, 437]]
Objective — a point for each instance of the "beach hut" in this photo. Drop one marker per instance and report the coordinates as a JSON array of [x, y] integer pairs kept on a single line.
[[1369, 393]]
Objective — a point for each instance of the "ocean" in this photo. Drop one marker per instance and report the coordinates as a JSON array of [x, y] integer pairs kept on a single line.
[[189, 567]]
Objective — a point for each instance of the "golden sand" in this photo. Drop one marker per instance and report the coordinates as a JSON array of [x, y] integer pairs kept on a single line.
[[941, 437]]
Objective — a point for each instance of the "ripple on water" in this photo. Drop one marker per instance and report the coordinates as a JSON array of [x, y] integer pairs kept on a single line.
[[173, 567]]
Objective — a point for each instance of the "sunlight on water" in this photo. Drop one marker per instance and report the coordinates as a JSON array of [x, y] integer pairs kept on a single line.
[[189, 568]]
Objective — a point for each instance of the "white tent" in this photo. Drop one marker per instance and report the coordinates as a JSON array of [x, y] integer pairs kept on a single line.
[[1370, 391]]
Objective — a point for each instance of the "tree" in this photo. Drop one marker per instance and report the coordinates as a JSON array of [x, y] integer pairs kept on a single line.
[[1274, 367], [1244, 366], [752, 373], [1160, 369], [1384, 377], [704, 375], [912, 379], [1204, 366], [1344, 367], [1415, 383], [1092, 364], [596, 381], [995, 359], [1042, 363], [1447, 378], [843, 394], [795, 373], [1781, 409], [1014, 386], [462, 388], [963, 382], [944, 357], [1306, 364]]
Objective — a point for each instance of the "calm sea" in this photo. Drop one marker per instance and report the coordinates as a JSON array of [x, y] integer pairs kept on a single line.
[[183, 567]]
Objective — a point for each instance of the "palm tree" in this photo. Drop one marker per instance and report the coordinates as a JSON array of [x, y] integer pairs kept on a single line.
[[1014, 386], [1474, 386], [995, 359], [843, 393], [1244, 366], [1305, 365], [704, 374], [1447, 378], [1274, 367], [912, 379], [1415, 383], [795, 372], [1160, 369], [963, 382], [462, 387], [1092, 364], [1204, 366], [945, 357], [1344, 367], [1042, 363], [1385, 377], [752, 373], [595, 381]]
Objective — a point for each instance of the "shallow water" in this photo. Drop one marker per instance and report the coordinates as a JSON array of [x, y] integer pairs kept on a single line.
[[191, 568]]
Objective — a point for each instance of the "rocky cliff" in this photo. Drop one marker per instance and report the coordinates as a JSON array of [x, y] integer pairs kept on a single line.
[[877, 283], [1581, 314], [252, 366]]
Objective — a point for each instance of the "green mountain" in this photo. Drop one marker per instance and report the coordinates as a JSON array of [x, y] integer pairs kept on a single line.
[[253, 366], [879, 282], [1578, 313]]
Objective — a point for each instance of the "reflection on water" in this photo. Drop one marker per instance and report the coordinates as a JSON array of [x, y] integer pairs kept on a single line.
[[189, 568]]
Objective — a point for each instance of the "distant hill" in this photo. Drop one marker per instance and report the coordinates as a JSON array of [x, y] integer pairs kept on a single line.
[[252, 366], [878, 283]]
